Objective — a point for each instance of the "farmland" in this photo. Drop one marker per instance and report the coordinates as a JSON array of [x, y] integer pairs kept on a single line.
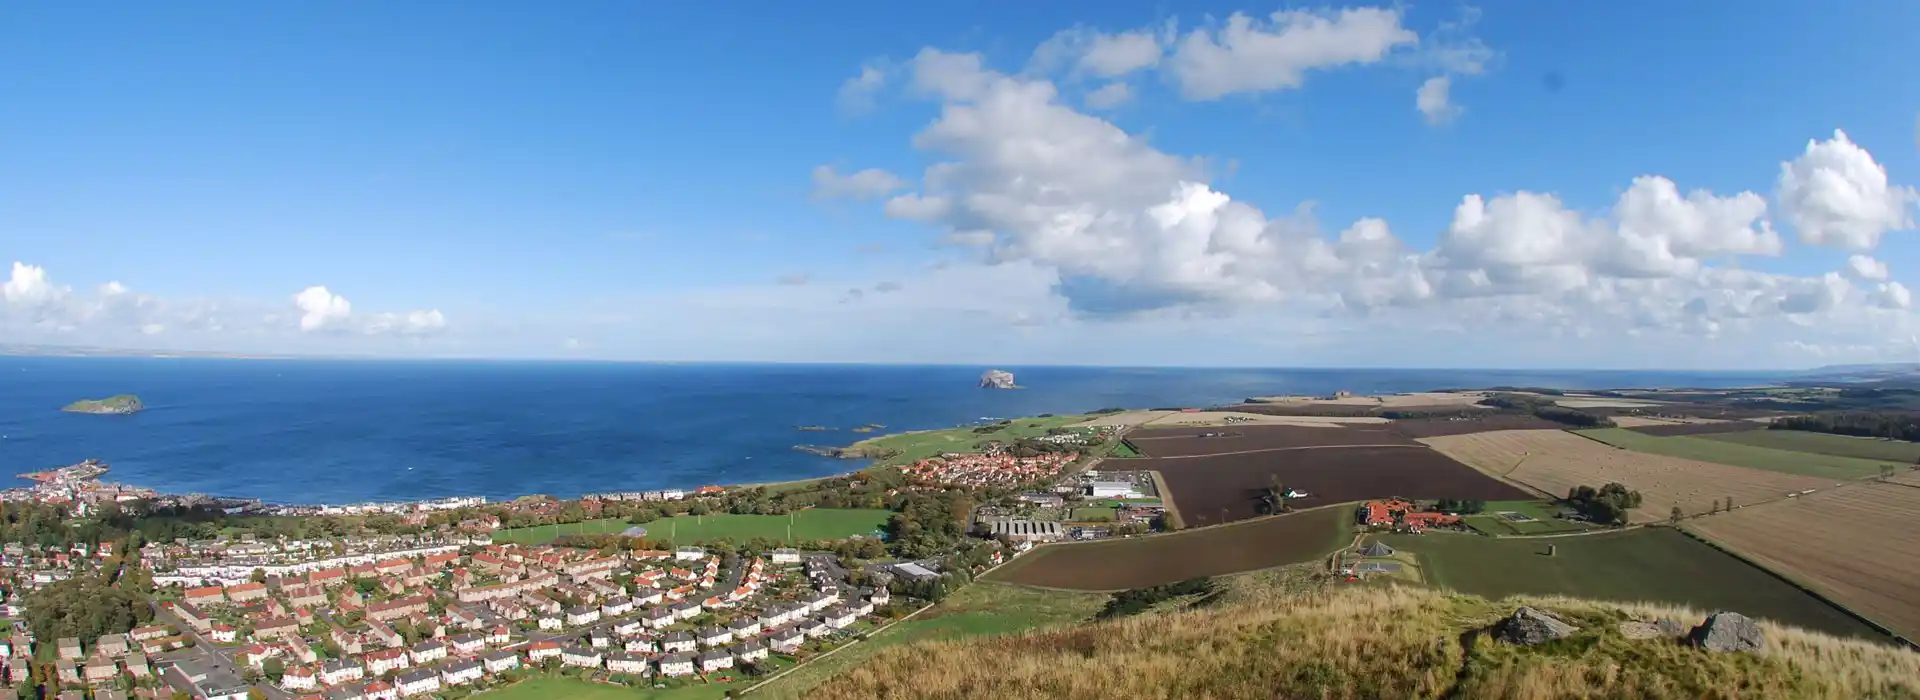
[[1644, 565], [907, 448], [1854, 544], [1435, 427], [982, 609], [542, 534], [1188, 442], [805, 525], [1225, 488], [1826, 467], [1149, 561], [1674, 429], [1824, 444], [1555, 462]]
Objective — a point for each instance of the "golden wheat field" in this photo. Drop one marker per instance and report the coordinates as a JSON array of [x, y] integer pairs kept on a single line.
[[1555, 461], [1855, 544]]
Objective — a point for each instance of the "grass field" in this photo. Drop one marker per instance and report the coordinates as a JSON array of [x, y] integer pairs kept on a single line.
[[1554, 461], [1490, 522], [573, 689], [1092, 514], [1740, 455], [1648, 565], [805, 525], [1854, 544], [1899, 451], [1123, 450], [1118, 564], [542, 534], [915, 446], [981, 609]]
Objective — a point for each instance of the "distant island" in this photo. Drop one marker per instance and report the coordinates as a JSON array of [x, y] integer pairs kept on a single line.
[[121, 405], [997, 379]]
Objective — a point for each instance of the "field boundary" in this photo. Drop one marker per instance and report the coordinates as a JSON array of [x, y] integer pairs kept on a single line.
[[1897, 638]]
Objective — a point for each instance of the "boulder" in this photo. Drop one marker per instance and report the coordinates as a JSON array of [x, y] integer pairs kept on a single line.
[[1527, 627], [1663, 628], [1729, 632]]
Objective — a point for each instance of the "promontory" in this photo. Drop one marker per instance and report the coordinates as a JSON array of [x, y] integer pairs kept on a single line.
[[120, 405]]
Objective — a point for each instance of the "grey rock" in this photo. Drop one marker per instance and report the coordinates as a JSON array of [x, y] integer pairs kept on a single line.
[[997, 379], [1527, 627], [1729, 632], [1670, 627]]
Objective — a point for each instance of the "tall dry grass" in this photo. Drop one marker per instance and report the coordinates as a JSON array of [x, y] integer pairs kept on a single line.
[[1380, 642]]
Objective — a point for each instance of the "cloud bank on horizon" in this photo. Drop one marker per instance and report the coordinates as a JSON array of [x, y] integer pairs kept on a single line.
[[1062, 234]]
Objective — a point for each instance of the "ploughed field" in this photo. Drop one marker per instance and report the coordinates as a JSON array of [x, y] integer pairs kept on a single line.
[[1434, 427], [1645, 565], [1854, 544], [1556, 461], [1118, 564], [1192, 442]]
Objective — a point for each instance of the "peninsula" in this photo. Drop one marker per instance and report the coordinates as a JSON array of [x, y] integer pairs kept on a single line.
[[120, 405]]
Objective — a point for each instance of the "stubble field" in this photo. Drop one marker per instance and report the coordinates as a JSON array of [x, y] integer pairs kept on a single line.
[[1854, 544], [1698, 446], [1556, 461]]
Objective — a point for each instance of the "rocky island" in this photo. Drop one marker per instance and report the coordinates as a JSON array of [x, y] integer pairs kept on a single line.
[[997, 379], [120, 405]]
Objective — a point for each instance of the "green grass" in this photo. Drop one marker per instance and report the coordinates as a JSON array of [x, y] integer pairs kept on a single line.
[[916, 446], [1653, 564], [1737, 454], [542, 534], [1489, 521], [1089, 514], [1124, 450], [980, 609], [1824, 444], [575, 689], [1117, 502], [806, 525]]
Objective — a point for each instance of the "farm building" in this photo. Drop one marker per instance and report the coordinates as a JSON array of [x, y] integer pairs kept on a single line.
[[1024, 530], [1383, 514], [1112, 489]]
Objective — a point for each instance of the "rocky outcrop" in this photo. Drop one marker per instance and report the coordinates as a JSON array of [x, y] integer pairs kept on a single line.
[[1729, 632], [121, 405], [997, 379], [1527, 627], [1663, 628]]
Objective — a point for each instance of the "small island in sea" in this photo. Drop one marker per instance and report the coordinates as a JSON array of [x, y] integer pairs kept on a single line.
[[997, 379], [120, 405]]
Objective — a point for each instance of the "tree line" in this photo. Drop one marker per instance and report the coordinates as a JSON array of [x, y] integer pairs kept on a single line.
[[1546, 409], [1892, 426], [1607, 505]]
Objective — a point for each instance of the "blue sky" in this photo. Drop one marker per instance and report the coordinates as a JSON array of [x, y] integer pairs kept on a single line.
[[677, 181]]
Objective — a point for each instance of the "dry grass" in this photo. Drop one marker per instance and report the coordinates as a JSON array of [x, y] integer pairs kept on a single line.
[[1908, 478], [1554, 461], [1376, 642], [1855, 544], [1639, 421]]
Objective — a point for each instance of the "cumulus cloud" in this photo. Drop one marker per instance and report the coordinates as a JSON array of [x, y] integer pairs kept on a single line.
[[857, 93], [1249, 55], [865, 184], [1109, 96], [320, 308], [1866, 268], [1433, 101], [28, 287], [1835, 194], [1085, 51]]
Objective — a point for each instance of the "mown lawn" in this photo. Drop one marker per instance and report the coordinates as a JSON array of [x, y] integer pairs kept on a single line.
[[542, 534], [1740, 455], [1490, 522], [916, 446], [800, 526], [1824, 444], [1092, 514], [980, 609], [1654, 564]]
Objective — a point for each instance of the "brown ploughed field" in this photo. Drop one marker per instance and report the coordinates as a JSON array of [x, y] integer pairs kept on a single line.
[[1434, 427], [1555, 461], [1186, 442], [1854, 544], [1117, 564], [1217, 489]]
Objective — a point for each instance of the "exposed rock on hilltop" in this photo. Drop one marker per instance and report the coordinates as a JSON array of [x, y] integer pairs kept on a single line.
[[111, 406], [1528, 627], [997, 379], [1729, 631]]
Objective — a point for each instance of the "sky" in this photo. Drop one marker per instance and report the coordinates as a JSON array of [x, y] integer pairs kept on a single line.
[[1709, 185]]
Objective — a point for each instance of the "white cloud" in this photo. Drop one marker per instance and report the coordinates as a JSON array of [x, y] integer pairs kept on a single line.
[[1836, 195], [1247, 55], [1088, 52], [1109, 96], [865, 184], [152, 329], [410, 323], [1433, 101], [1866, 268], [28, 287], [916, 207], [1893, 295], [857, 93], [320, 308]]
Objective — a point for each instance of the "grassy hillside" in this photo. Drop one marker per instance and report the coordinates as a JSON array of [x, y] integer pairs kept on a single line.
[[1371, 642]]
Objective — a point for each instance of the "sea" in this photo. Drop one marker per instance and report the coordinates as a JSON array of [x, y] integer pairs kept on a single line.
[[351, 431]]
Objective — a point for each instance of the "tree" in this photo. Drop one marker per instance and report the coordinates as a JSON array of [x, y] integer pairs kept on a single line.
[[258, 576], [1677, 516]]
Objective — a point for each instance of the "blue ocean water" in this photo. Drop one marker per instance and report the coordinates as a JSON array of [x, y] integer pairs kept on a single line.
[[312, 431]]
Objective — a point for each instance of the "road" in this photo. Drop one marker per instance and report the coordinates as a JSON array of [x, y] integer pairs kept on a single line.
[[208, 654]]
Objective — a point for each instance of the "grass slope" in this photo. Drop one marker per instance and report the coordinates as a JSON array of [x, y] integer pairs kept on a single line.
[[1737, 454], [807, 525], [979, 610], [574, 689], [1364, 642], [1648, 564], [1824, 444], [916, 446]]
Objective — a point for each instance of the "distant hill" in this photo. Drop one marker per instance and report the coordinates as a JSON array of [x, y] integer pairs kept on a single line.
[[1374, 642]]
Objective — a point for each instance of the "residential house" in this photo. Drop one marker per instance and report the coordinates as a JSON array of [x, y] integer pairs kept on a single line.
[[379, 690], [137, 666], [70, 649], [111, 645], [541, 651], [600, 637], [814, 628], [657, 618], [715, 636], [786, 556], [276, 627], [396, 609], [340, 671], [427, 652], [623, 662], [246, 592], [678, 640], [745, 626], [224, 633], [583, 657], [618, 605], [467, 644], [100, 669], [345, 692], [207, 595], [500, 661], [498, 636], [676, 665], [686, 611], [752, 650], [786, 640], [646, 596], [384, 661], [582, 615], [689, 554], [642, 645], [299, 678], [462, 672], [142, 634], [839, 617], [715, 660], [626, 628], [549, 622], [419, 681]]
